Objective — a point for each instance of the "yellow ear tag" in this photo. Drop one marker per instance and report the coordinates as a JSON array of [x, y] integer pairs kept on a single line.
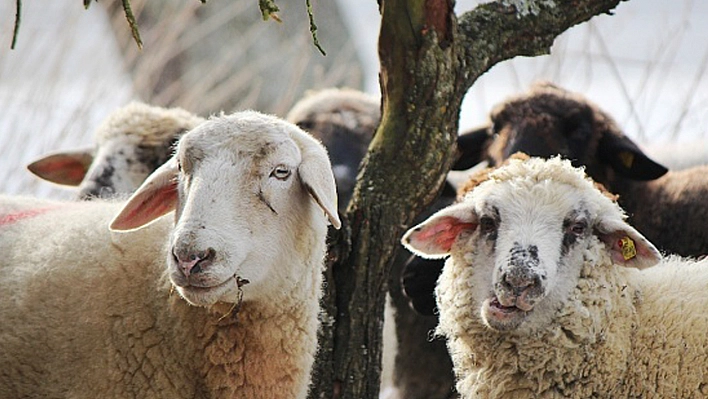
[[629, 251], [627, 158]]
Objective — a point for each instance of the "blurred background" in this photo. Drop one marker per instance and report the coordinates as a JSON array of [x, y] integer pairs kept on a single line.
[[71, 67]]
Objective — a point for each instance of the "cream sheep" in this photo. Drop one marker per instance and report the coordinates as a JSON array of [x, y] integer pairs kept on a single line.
[[130, 144], [549, 293], [89, 312]]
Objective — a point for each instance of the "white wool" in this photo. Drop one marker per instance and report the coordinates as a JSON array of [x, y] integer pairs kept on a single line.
[[90, 312], [542, 298]]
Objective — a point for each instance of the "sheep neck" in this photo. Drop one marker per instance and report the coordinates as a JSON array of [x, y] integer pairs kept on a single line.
[[258, 352], [581, 349]]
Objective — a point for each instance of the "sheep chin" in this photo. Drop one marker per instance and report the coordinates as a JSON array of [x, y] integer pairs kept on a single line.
[[502, 318], [229, 291]]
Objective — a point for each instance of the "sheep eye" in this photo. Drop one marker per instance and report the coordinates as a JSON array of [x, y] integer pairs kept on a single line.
[[578, 228], [487, 225], [281, 172]]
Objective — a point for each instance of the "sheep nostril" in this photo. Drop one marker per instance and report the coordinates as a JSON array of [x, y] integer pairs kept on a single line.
[[193, 262], [518, 280], [203, 259]]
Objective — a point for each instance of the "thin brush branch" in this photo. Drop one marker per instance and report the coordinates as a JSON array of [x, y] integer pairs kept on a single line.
[[16, 31], [313, 28], [132, 23]]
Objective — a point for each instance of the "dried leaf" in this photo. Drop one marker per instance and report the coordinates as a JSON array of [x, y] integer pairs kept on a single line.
[[268, 10]]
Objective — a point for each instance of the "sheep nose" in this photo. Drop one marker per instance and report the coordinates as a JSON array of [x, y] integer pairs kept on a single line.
[[518, 279], [193, 262]]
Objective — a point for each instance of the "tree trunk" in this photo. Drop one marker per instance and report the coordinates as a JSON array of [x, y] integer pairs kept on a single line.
[[428, 63]]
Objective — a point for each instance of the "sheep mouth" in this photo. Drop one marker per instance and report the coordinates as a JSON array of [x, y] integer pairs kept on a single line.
[[201, 295], [501, 317]]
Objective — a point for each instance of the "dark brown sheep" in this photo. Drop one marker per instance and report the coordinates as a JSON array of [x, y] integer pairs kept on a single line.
[[668, 208]]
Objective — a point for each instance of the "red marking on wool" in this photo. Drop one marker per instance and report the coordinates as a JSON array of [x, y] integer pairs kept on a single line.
[[26, 214]]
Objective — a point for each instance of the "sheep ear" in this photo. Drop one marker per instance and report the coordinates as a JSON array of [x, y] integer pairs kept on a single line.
[[627, 159], [315, 172], [66, 167], [156, 197], [626, 245], [433, 238], [471, 146]]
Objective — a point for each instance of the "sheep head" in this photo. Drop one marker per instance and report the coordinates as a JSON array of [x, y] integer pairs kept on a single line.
[[549, 120], [249, 192], [130, 144], [522, 237]]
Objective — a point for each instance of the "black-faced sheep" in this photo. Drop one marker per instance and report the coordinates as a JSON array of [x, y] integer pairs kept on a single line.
[[548, 292], [130, 143], [89, 312], [549, 120]]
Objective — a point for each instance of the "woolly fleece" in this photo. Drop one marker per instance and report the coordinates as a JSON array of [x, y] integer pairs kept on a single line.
[[621, 332]]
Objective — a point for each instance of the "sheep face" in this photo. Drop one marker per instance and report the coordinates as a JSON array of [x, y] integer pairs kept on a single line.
[[120, 166], [522, 238], [246, 190], [130, 144]]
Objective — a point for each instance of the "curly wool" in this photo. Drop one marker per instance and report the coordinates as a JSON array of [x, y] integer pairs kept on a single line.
[[145, 124], [622, 333]]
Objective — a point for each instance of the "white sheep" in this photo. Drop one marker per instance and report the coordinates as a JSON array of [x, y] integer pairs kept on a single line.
[[666, 207], [88, 312], [548, 293], [130, 143]]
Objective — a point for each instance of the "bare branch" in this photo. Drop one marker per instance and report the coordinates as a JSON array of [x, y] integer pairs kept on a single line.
[[313, 28], [501, 30], [16, 31]]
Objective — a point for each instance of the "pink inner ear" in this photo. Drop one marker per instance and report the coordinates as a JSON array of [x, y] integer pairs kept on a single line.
[[444, 232], [60, 169], [143, 210]]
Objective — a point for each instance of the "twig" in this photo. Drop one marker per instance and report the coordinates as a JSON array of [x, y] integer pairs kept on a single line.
[[695, 83], [131, 22], [313, 28], [618, 75], [16, 31]]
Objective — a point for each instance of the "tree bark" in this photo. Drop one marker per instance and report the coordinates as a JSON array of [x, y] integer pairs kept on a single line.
[[428, 62]]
